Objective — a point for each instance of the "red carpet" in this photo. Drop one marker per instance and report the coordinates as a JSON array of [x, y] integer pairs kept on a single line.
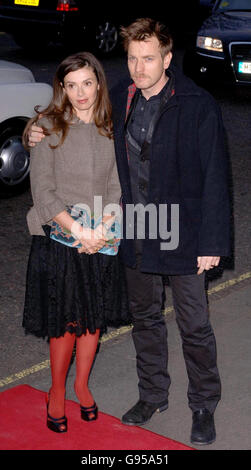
[[23, 419]]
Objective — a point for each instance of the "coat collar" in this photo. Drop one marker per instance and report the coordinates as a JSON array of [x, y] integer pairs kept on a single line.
[[183, 87]]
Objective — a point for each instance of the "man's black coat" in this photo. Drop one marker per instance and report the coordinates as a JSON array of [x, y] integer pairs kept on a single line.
[[188, 167]]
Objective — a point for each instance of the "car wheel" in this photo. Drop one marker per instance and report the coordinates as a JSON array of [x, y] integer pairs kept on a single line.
[[106, 37], [14, 159]]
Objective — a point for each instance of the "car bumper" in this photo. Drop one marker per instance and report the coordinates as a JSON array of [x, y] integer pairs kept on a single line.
[[206, 68]]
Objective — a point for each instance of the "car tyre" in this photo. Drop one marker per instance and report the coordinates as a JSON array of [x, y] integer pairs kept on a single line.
[[14, 159]]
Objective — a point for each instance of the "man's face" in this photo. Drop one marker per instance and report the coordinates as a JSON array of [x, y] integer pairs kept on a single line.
[[147, 66]]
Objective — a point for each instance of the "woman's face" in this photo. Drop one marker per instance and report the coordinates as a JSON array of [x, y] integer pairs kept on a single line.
[[81, 88]]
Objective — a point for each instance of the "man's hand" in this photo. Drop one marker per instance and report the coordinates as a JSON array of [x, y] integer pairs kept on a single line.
[[35, 134], [207, 262]]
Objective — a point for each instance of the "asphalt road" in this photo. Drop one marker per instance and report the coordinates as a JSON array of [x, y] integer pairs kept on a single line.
[[25, 359]]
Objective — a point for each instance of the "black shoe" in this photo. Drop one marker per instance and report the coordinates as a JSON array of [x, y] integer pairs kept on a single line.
[[203, 429], [55, 424], [89, 413], [142, 412]]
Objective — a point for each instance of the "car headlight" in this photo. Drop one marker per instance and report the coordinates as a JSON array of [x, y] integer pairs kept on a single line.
[[211, 44]]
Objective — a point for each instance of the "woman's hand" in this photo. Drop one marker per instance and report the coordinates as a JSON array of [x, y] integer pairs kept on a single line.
[[91, 240]]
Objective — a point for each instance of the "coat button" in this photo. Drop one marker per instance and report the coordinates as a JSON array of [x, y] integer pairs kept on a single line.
[[142, 186]]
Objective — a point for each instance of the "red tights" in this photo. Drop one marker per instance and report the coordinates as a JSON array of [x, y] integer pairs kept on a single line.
[[60, 356]]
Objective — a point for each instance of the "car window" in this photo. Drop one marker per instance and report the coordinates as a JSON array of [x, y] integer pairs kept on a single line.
[[235, 5]]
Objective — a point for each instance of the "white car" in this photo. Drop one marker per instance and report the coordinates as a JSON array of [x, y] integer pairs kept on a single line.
[[19, 94]]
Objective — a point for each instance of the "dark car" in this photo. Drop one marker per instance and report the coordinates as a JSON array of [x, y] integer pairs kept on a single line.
[[37, 22], [222, 50], [93, 26]]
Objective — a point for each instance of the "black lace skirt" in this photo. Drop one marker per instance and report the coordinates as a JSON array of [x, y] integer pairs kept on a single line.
[[68, 291]]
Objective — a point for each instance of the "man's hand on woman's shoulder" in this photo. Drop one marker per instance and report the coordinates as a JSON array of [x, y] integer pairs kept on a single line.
[[35, 135]]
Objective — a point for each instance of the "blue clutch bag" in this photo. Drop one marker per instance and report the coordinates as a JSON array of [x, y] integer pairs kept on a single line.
[[65, 237]]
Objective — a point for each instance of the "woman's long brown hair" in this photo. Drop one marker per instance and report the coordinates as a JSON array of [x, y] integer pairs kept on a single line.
[[60, 106]]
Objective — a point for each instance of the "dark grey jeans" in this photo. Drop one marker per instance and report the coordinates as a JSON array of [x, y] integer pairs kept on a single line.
[[146, 298]]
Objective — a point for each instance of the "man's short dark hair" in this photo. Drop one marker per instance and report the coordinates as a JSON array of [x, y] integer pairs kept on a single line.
[[144, 28]]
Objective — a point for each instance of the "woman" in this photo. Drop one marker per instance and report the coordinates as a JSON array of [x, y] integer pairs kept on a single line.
[[73, 292]]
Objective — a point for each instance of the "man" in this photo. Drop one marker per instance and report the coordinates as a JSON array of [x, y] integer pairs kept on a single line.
[[168, 137]]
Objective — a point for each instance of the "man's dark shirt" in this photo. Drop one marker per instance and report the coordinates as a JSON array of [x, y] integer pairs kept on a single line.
[[137, 128], [136, 132]]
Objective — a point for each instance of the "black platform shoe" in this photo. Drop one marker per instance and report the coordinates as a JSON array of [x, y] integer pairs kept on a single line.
[[55, 424], [89, 413]]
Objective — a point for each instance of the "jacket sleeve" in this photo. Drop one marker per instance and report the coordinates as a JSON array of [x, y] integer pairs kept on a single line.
[[43, 185], [214, 236]]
